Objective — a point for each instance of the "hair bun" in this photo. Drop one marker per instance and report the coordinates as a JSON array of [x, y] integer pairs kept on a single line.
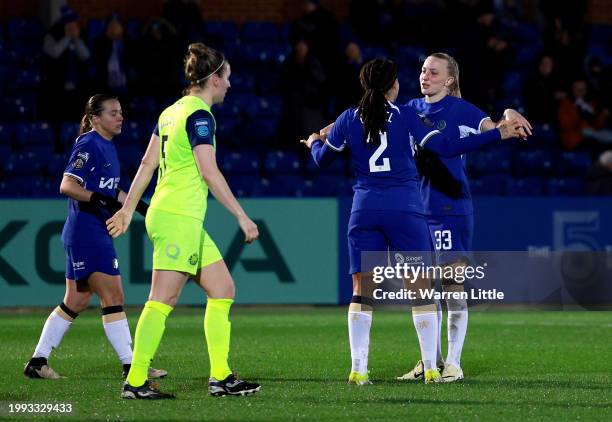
[[197, 49]]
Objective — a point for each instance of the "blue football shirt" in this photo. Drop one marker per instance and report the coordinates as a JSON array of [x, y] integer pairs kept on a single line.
[[94, 164], [444, 184]]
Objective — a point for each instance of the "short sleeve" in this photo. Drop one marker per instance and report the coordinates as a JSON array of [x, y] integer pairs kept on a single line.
[[337, 138], [419, 126], [474, 116], [200, 128], [156, 130], [82, 161]]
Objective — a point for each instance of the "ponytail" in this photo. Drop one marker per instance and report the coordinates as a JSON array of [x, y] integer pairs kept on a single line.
[[377, 78]]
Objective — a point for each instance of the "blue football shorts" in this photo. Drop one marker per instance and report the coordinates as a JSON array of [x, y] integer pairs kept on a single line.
[[452, 237], [82, 261], [372, 234]]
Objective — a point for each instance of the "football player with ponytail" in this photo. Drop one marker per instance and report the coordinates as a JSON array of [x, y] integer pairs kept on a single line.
[[90, 182], [387, 210]]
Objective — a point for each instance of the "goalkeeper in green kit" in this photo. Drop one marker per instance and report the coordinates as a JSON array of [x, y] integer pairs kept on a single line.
[[182, 149]]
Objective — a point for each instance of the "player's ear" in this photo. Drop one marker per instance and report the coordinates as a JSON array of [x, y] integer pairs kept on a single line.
[[449, 81]]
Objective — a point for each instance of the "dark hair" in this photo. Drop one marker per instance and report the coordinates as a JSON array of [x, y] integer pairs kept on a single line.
[[94, 106], [377, 77], [453, 71], [201, 62]]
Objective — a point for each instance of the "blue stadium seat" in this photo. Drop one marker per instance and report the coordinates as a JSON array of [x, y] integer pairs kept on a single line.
[[242, 82], [7, 134], [5, 150], [371, 52], [95, 29], [129, 156], [331, 185], [23, 165], [573, 162], [6, 73], [142, 107], [490, 185], [27, 78], [38, 133], [260, 32], [498, 160], [21, 107], [527, 186], [337, 167], [17, 187], [24, 30], [240, 162], [282, 162], [40, 150], [268, 188], [241, 185], [132, 133], [271, 105], [409, 56], [512, 83], [55, 165], [221, 31], [533, 162], [262, 129], [46, 188], [566, 186], [68, 133], [545, 134]]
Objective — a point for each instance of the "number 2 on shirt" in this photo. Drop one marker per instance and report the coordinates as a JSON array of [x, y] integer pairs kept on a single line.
[[386, 165]]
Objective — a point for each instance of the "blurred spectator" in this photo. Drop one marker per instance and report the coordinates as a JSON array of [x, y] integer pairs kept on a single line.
[[186, 17], [599, 80], [319, 28], [65, 66], [599, 176], [348, 87], [577, 114], [158, 61], [542, 92], [110, 58], [303, 82], [568, 55]]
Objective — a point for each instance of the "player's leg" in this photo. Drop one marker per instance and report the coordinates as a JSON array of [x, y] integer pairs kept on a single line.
[[173, 243], [214, 277], [56, 326], [461, 230], [408, 233], [366, 243], [359, 324]]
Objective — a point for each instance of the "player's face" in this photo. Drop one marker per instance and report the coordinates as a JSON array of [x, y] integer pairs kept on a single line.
[[434, 76], [223, 84], [110, 119]]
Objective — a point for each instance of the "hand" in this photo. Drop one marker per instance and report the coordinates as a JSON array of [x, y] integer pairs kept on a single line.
[[118, 223], [325, 131], [249, 228], [509, 129], [72, 30], [311, 139], [526, 127]]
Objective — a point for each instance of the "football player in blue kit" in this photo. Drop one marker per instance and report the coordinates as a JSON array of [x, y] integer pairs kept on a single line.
[[446, 195], [90, 182], [387, 211]]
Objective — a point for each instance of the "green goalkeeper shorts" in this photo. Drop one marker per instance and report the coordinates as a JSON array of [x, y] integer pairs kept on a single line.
[[180, 243]]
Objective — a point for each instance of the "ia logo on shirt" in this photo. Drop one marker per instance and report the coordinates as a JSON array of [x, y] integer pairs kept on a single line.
[[111, 183]]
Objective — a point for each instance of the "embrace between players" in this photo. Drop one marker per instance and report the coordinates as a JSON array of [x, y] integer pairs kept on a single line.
[[182, 152]]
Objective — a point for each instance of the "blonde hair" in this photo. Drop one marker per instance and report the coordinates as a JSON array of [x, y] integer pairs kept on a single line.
[[453, 71]]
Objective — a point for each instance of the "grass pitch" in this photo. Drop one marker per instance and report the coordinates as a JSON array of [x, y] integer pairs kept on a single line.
[[518, 365]]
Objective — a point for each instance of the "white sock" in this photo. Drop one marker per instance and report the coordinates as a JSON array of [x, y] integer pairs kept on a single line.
[[52, 334], [457, 327], [118, 334], [359, 324], [426, 324], [439, 358]]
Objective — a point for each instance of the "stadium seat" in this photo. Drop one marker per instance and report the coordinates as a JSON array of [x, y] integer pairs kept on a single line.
[[566, 186], [490, 185], [498, 160], [545, 134], [24, 31], [243, 82], [527, 186], [282, 162], [142, 107], [330, 185], [21, 107], [7, 134], [261, 130], [260, 32], [371, 52], [23, 165], [268, 188], [337, 167], [55, 165], [34, 134], [573, 163], [132, 133], [533, 162], [68, 133], [241, 185], [227, 129], [245, 162], [27, 79], [221, 32], [95, 29], [409, 56]]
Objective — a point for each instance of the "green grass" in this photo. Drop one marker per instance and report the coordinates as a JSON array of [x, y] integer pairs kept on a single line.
[[518, 365]]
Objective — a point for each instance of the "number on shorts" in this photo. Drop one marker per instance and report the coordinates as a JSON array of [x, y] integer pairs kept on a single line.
[[444, 240], [386, 165]]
